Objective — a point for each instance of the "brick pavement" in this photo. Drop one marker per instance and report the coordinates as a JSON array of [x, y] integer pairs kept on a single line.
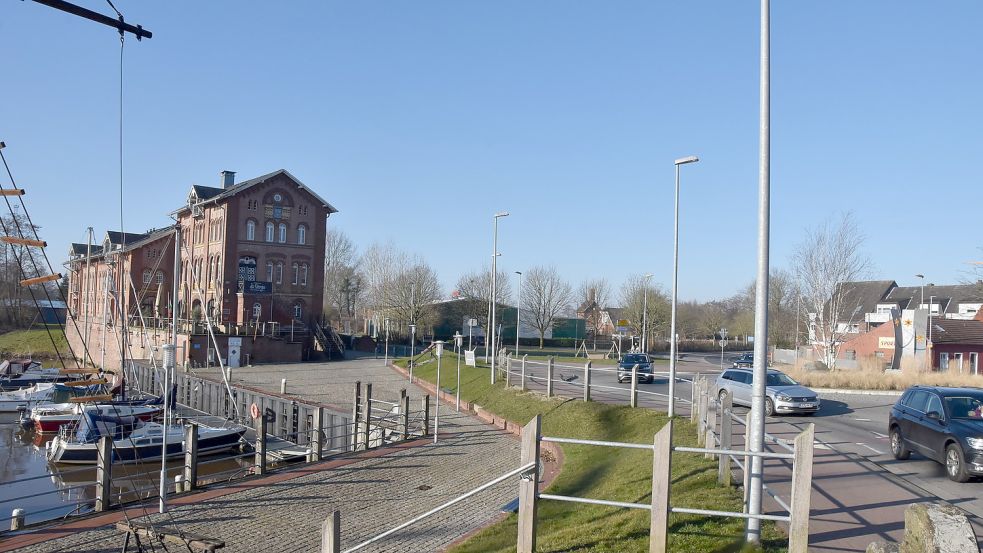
[[373, 495]]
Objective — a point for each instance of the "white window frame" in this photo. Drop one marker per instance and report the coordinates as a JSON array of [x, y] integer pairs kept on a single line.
[[270, 229], [147, 276], [943, 361], [269, 271], [257, 310], [303, 274], [295, 273], [250, 230], [974, 362], [283, 233], [279, 273], [160, 277], [302, 235], [957, 358], [298, 311]]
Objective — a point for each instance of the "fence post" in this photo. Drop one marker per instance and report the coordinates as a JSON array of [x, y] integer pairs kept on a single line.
[[522, 385], [331, 533], [405, 406], [426, 414], [261, 444], [747, 458], [661, 480], [190, 456], [710, 420], [702, 421], [549, 377], [283, 385], [726, 428], [798, 526], [508, 371], [317, 443], [355, 412], [16, 519], [694, 397], [368, 416], [528, 486], [587, 381], [104, 473], [634, 385]]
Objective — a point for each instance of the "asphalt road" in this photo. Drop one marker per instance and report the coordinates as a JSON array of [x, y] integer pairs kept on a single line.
[[859, 490]]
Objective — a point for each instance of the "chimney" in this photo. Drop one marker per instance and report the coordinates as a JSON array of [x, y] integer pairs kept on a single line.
[[228, 179]]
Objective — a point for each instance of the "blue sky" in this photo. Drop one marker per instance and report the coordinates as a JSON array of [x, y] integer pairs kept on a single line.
[[419, 120]]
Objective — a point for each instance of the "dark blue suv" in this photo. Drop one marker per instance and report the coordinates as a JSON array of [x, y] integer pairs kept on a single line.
[[644, 372], [943, 424]]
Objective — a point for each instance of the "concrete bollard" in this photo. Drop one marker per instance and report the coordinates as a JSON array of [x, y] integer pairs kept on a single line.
[[522, 384], [331, 533], [17, 519], [587, 381], [549, 377], [634, 386], [283, 385]]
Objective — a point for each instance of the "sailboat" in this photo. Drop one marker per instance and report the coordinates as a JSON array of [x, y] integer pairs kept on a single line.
[[17, 374], [51, 417], [43, 392], [134, 440]]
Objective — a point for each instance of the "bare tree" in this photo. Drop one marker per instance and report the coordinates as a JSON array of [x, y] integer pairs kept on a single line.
[[714, 318], [343, 282], [402, 287], [545, 295], [18, 263], [475, 288], [825, 263], [593, 295], [633, 301]]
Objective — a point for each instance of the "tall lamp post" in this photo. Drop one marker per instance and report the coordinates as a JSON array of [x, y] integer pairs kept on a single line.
[[675, 275], [494, 294], [756, 432], [386, 357], [518, 302], [645, 314], [458, 341], [413, 341], [928, 345], [439, 351], [922, 286]]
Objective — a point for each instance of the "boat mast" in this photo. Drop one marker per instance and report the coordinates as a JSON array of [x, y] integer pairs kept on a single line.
[[170, 362], [88, 289]]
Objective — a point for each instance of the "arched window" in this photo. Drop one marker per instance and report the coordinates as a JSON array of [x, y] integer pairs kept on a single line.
[[303, 274], [269, 271], [208, 273], [298, 311], [301, 234], [250, 230], [283, 233], [295, 273], [257, 310], [279, 273], [269, 231], [146, 277], [160, 277]]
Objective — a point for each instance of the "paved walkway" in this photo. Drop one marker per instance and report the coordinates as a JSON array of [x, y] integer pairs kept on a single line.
[[373, 495]]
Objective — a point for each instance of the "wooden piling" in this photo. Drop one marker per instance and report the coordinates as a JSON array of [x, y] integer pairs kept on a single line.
[[104, 473], [190, 457]]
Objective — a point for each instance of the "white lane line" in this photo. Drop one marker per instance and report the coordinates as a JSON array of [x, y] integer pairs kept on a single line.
[[879, 435], [819, 444], [862, 420], [870, 448]]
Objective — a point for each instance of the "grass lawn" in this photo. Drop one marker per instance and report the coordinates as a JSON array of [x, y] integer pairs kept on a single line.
[[33, 343], [605, 473]]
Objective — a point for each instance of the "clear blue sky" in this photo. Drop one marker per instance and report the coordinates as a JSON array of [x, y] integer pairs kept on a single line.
[[419, 120]]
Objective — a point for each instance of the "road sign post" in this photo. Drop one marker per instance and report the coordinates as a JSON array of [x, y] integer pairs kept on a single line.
[[723, 344]]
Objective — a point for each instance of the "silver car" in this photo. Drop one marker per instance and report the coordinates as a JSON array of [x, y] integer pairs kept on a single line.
[[782, 394]]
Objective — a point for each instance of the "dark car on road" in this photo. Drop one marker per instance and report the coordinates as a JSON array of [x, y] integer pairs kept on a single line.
[[745, 360], [644, 367], [782, 394], [943, 424]]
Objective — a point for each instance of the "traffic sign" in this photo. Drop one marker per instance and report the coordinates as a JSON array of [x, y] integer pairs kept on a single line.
[[723, 343]]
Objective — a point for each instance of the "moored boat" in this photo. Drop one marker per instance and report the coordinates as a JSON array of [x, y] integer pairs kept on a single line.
[[51, 417], [17, 374], [40, 393], [134, 440]]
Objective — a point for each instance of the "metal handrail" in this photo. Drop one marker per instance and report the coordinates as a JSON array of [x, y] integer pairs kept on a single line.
[[741, 452], [604, 502], [596, 442], [458, 499]]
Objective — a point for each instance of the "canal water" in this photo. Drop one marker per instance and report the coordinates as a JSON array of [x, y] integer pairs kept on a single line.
[[49, 491]]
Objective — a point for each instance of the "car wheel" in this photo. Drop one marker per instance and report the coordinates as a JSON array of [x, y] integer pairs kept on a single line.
[[650, 380], [722, 396], [898, 447], [955, 464], [769, 407]]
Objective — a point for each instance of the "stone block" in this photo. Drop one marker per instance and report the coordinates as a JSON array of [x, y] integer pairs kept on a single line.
[[932, 528]]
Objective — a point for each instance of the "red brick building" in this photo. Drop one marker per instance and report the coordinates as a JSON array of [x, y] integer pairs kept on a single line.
[[252, 253]]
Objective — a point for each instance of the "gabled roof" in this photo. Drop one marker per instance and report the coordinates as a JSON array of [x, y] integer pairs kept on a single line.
[[616, 314], [208, 193], [862, 297], [956, 331], [80, 249], [116, 237], [947, 296]]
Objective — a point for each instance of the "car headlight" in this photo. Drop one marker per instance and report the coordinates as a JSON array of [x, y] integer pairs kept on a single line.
[[783, 397], [975, 443]]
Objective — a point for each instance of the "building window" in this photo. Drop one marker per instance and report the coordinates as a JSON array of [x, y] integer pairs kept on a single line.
[[269, 231], [303, 274], [269, 271], [279, 273], [160, 277], [298, 311], [146, 277], [250, 230], [943, 361], [257, 310], [295, 272], [301, 234], [958, 359], [283, 233]]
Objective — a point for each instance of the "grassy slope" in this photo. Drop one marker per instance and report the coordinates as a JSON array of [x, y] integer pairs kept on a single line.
[[605, 473], [34, 343]]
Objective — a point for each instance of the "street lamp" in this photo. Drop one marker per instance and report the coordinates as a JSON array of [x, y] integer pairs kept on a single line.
[[922, 287], [387, 342], [412, 340], [494, 294], [928, 346], [439, 352], [645, 313], [518, 298], [458, 341], [675, 274]]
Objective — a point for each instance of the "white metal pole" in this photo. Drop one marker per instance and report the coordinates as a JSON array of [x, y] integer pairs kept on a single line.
[[645, 312], [494, 296], [518, 301], [436, 417], [85, 294], [457, 386], [672, 326], [757, 429]]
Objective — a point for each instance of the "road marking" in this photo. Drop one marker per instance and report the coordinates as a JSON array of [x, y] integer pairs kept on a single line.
[[879, 435], [862, 420], [819, 444], [870, 448]]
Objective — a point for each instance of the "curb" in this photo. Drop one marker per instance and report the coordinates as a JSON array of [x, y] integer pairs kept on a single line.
[[845, 391]]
